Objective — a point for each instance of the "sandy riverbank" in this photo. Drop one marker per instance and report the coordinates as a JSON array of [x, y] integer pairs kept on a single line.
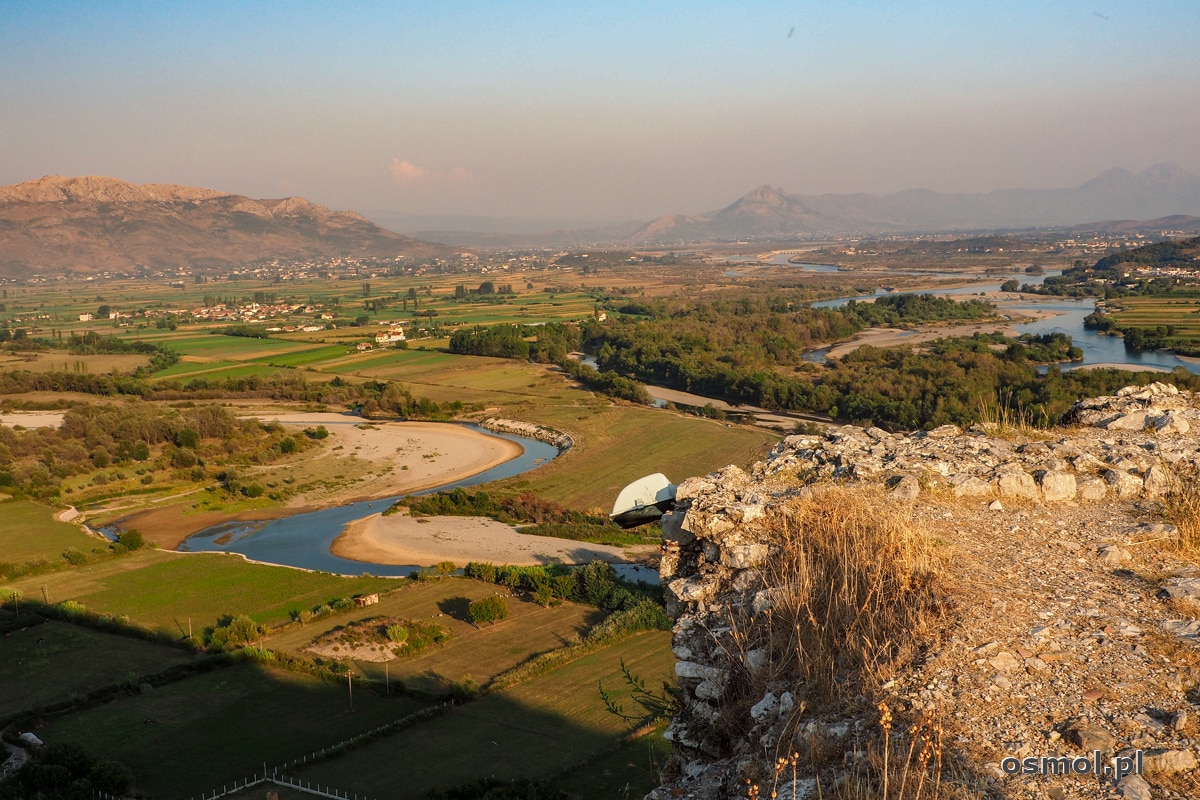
[[401, 539], [896, 337], [390, 458], [1124, 367], [32, 419]]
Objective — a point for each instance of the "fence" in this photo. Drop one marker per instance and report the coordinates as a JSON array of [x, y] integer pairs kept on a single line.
[[256, 780]]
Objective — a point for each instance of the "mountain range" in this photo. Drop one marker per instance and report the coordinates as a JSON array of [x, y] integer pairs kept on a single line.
[[56, 225], [769, 212], [92, 224]]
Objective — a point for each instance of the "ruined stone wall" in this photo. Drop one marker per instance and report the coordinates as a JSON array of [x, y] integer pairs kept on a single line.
[[717, 546]]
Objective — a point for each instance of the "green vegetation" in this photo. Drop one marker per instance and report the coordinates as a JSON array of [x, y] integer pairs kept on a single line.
[[487, 610], [548, 518], [237, 717], [43, 662], [166, 590], [29, 532]]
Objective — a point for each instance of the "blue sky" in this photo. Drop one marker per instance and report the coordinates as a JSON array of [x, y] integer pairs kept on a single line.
[[595, 111]]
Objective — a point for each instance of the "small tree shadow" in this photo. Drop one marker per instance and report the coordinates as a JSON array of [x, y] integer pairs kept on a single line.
[[455, 608]]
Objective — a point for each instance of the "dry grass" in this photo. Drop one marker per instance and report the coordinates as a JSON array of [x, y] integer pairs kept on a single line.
[[1181, 505], [855, 590], [856, 594]]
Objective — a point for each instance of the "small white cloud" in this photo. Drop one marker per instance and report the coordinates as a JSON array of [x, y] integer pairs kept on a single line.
[[406, 172]]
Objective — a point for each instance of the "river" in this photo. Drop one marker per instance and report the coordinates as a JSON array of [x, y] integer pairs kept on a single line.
[[1098, 348], [303, 540]]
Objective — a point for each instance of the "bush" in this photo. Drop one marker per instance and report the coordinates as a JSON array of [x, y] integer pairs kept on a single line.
[[131, 539], [489, 609], [75, 557]]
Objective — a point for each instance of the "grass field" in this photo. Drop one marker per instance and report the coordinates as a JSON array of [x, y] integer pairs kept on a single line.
[[191, 367], [30, 531], [536, 729], [617, 444], [233, 347], [163, 590], [1149, 312], [80, 659], [475, 653], [305, 357], [186, 737]]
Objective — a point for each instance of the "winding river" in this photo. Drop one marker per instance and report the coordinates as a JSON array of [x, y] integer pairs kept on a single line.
[[304, 540], [1098, 348]]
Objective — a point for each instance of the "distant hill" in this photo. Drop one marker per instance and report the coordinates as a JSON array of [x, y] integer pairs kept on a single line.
[[92, 224], [769, 212], [1176, 224]]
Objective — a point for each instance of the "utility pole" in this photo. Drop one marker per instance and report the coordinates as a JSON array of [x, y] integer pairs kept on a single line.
[[44, 597], [350, 685], [387, 681]]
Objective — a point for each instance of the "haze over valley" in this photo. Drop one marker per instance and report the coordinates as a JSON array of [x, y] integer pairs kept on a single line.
[[498, 400]]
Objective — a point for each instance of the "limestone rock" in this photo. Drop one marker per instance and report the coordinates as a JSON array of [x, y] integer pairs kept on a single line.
[[1088, 736], [1058, 486], [1016, 484], [1161, 760]]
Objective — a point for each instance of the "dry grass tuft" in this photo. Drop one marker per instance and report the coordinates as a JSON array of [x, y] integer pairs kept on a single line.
[[855, 591], [1181, 505]]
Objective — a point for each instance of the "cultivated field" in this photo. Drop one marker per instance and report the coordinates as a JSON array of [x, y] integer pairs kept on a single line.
[[30, 532], [537, 729], [473, 654], [79, 659], [163, 590]]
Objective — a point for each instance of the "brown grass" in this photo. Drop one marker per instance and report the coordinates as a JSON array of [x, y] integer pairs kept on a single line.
[[856, 593], [1181, 505], [855, 590]]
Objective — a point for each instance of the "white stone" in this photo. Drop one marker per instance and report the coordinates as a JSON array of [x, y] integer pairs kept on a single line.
[[763, 707], [1058, 486]]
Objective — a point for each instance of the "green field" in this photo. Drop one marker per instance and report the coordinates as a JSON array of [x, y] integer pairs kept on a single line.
[[478, 654], [306, 357], [1183, 314], [186, 737], [163, 590], [537, 729], [192, 367], [236, 347], [78, 658], [617, 444], [30, 531]]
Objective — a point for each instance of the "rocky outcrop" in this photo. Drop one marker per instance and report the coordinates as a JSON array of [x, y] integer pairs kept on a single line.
[[528, 429], [1067, 606], [1122, 446]]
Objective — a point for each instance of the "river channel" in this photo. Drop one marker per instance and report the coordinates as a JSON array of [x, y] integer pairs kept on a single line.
[[1098, 348]]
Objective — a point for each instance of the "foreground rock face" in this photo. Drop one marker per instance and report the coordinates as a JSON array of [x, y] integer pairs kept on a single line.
[[1075, 624]]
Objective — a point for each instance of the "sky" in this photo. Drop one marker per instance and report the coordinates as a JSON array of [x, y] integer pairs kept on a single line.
[[595, 112]]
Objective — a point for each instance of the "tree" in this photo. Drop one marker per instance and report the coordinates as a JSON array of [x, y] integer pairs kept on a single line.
[[1011, 285], [103, 311], [131, 539], [489, 609]]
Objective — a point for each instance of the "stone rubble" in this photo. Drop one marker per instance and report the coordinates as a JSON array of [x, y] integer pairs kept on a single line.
[[1077, 629]]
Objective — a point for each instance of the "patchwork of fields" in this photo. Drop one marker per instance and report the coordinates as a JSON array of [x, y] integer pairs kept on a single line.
[[207, 725]]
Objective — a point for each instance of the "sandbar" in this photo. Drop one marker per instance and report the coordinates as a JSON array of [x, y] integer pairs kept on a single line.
[[400, 457], [1124, 367], [424, 541]]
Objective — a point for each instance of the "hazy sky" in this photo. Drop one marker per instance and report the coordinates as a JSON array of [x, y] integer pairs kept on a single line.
[[599, 111]]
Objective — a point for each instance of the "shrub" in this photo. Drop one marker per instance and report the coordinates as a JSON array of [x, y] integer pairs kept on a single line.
[[131, 539], [396, 633], [489, 609], [75, 557]]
